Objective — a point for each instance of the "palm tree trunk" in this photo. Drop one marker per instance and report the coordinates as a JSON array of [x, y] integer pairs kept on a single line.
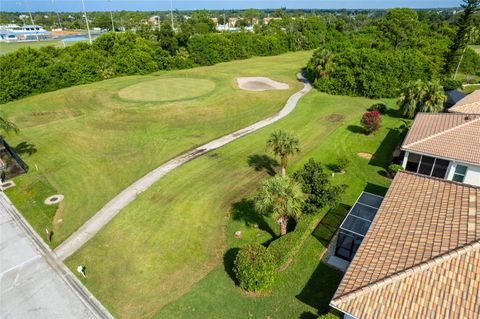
[[282, 221], [283, 171], [283, 165]]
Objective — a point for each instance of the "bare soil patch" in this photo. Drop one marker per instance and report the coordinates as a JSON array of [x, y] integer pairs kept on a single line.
[[367, 156]]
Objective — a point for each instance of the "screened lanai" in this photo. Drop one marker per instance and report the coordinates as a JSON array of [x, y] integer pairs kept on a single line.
[[355, 226]]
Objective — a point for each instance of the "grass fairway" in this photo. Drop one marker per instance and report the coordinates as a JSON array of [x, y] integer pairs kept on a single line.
[[164, 255], [6, 48], [162, 90], [88, 143]]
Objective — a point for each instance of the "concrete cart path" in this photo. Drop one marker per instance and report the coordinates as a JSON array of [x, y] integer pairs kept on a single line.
[[34, 283], [112, 208]]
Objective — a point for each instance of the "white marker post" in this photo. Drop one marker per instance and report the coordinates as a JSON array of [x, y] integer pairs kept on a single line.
[[81, 269]]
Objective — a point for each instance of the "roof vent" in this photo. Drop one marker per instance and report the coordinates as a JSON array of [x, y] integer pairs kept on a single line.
[[467, 118]]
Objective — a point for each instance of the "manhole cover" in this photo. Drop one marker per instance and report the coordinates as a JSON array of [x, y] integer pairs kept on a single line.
[[54, 199]]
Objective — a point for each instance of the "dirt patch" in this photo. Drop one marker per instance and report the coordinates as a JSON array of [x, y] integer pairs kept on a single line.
[[367, 156], [335, 118], [260, 84]]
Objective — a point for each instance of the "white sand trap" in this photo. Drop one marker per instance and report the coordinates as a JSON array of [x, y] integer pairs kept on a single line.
[[260, 84]]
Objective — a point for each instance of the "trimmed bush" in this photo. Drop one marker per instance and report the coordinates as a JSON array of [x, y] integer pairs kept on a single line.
[[254, 268], [371, 121], [342, 163], [379, 107], [286, 247], [451, 84], [393, 169]]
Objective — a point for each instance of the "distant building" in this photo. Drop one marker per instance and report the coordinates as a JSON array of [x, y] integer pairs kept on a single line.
[[232, 22], [215, 21], [155, 20], [267, 20]]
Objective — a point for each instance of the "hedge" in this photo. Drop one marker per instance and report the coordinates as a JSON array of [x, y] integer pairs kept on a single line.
[[286, 247]]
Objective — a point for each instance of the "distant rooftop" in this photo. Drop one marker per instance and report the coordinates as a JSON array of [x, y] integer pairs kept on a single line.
[[421, 256], [468, 104]]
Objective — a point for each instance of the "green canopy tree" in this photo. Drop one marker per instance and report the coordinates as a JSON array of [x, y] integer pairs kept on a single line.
[[460, 41], [281, 197], [283, 145]]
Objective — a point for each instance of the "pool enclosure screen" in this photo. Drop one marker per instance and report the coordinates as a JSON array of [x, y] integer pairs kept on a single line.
[[355, 226]]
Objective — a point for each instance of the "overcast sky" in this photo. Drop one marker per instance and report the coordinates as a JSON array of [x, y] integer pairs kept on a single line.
[[153, 5]]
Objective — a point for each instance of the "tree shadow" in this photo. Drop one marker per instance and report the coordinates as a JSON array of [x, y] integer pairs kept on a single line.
[[245, 210], [384, 153], [320, 288], [329, 224], [307, 315], [228, 263], [376, 189], [395, 113], [356, 129], [263, 163], [25, 148]]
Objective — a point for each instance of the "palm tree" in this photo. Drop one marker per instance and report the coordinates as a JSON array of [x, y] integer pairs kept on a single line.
[[7, 126], [283, 144], [434, 98], [281, 197], [411, 98]]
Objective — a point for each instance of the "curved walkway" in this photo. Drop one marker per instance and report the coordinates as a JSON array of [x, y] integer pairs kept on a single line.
[[112, 208]]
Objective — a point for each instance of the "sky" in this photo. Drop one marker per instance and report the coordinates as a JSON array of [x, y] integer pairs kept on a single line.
[[161, 5]]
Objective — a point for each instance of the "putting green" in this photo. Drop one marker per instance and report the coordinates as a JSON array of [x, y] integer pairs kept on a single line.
[[162, 90]]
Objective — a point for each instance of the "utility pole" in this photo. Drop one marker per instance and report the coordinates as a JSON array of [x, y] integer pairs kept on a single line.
[[31, 19], [171, 13], [111, 14], [58, 15], [86, 21]]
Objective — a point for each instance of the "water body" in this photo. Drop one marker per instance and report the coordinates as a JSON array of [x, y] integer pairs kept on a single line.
[[162, 5]]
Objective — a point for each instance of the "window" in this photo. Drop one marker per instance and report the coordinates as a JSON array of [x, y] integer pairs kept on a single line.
[[460, 172], [426, 165], [440, 168], [413, 162]]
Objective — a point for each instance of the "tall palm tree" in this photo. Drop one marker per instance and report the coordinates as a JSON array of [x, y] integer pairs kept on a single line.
[[434, 98], [281, 197], [6, 126], [283, 145]]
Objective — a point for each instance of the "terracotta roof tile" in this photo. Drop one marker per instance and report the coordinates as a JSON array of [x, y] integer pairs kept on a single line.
[[469, 104], [448, 135], [421, 256]]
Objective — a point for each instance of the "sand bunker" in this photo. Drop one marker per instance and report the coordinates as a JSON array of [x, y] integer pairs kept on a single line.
[[260, 84]]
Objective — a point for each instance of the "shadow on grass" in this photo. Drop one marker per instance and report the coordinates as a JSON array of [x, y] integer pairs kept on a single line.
[[329, 224], [395, 113], [308, 315], [384, 153], [263, 163], [245, 210], [25, 148], [319, 289], [228, 260], [376, 189], [356, 129]]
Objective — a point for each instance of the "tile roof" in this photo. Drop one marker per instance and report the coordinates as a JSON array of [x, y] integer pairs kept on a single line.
[[469, 104], [421, 256], [448, 135]]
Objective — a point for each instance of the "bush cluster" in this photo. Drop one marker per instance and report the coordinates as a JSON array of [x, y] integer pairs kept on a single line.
[[254, 268], [371, 121]]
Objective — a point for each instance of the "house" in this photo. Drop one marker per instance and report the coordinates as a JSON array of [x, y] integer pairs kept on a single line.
[[444, 145], [421, 255], [232, 22], [468, 104]]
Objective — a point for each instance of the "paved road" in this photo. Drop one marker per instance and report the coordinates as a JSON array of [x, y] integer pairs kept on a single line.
[[33, 282], [112, 208]]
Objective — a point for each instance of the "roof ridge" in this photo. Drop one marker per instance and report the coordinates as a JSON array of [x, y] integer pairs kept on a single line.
[[447, 181], [443, 132], [449, 255]]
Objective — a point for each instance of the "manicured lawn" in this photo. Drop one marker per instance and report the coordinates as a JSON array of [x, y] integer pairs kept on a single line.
[[14, 46], [88, 143], [165, 254], [476, 48]]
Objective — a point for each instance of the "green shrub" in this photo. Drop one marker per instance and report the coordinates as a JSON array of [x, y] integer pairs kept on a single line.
[[379, 107], [286, 247], [342, 163], [393, 169], [371, 121], [254, 268], [451, 84], [329, 316]]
